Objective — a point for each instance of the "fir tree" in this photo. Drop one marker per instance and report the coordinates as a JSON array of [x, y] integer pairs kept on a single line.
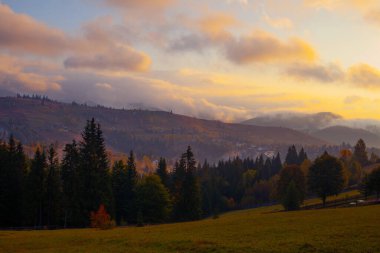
[[292, 156], [72, 187], [162, 172], [36, 189], [302, 156], [12, 173], [131, 210], [187, 196], [94, 171], [120, 190], [276, 164], [360, 153]]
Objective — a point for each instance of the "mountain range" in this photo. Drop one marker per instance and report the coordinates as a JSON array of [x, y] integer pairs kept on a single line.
[[153, 133]]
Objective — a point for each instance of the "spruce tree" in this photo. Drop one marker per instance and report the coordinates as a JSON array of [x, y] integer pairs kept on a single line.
[[131, 181], [36, 189], [53, 189], [360, 153], [72, 187], [302, 156], [276, 164], [120, 190], [162, 172], [291, 156], [94, 171], [187, 195], [12, 173]]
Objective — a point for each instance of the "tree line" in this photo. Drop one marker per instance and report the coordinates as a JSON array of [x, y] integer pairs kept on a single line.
[[44, 191]]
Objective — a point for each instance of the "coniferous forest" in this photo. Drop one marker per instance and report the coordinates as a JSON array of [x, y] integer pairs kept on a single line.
[[44, 191]]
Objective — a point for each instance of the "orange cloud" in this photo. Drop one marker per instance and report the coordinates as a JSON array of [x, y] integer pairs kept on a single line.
[[21, 33], [216, 24], [120, 59], [317, 72], [13, 76], [264, 47], [364, 75]]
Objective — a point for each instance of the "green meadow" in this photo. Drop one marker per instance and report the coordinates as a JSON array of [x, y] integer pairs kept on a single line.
[[354, 229]]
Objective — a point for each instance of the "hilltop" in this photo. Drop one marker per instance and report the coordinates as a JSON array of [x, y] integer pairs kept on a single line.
[[154, 133]]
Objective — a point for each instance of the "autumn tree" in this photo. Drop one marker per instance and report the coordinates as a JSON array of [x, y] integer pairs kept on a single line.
[[292, 198], [291, 174], [153, 200], [101, 219], [326, 177]]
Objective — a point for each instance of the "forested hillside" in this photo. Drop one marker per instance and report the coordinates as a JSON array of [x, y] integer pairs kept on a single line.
[[154, 133]]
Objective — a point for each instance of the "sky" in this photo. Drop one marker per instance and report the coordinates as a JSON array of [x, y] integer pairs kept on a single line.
[[228, 60]]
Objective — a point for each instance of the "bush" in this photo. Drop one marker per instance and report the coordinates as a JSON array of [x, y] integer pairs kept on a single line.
[[101, 219]]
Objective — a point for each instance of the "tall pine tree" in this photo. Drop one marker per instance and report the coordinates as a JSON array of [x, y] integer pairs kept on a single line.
[[162, 172], [187, 195], [120, 190], [53, 189], [131, 182], [94, 171], [36, 189], [71, 186]]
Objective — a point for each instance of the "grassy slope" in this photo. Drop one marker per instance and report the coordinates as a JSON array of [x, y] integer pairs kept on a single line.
[[257, 230]]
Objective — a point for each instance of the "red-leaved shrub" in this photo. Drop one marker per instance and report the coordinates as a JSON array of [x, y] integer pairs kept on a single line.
[[101, 219]]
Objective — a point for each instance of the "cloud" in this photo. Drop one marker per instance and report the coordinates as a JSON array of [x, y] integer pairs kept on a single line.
[[279, 23], [373, 16], [105, 86], [216, 24], [244, 2], [352, 100], [119, 59], [316, 72], [140, 4], [14, 77], [368, 9], [21, 33], [261, 46], [364, 75], [102, 46]]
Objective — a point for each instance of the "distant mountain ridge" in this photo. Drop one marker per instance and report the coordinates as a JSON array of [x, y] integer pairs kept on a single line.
[[303, 122], [154, 133], [340, 134], [326, 126]]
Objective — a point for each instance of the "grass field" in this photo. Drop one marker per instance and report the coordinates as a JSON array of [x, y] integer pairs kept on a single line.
[[355, 229]]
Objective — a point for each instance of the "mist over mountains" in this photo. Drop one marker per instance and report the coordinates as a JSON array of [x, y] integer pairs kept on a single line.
[[326, 126]]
